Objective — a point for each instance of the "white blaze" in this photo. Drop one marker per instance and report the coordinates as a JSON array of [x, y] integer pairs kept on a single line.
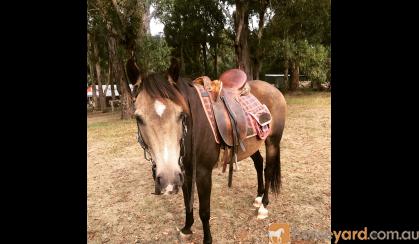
[[165, 154], [159, 107], [168, 189]]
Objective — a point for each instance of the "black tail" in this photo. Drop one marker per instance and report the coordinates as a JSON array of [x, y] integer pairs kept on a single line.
[[276, 175], [273, 163]]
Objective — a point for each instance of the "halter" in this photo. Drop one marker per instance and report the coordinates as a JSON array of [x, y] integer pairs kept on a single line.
[[147, 154]]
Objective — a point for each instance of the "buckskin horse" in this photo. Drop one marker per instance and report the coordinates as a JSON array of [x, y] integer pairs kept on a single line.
[[178, 139]]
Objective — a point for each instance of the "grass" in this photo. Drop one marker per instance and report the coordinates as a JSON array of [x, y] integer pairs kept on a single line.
[[310, 98], [121, 208]]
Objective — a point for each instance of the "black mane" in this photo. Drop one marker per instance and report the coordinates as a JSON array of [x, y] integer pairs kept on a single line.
[[157, 85]]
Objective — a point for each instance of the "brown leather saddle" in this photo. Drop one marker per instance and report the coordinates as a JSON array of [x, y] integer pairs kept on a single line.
[[228, 112], [229, 115]]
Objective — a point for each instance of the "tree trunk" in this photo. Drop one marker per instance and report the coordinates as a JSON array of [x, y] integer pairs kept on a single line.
[[241, 47], [146, 18], [92, 76], [204, 56], [127, 106], [215, 60], [315, 85], [258, 53], [108, 76], [102, 98], [182, 60], [110, 79], [112, 87], [295, 76], [256, 69], [286, 75]]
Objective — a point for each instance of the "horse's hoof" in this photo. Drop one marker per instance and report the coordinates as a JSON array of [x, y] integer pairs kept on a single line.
[[185, 237], [262, 212], [208, 240], [257, 202]]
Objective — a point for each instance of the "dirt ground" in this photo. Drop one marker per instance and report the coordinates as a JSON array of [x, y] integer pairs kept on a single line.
[[121, 208]]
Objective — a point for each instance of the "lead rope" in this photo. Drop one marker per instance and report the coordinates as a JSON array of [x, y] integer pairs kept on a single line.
[[191, 198]]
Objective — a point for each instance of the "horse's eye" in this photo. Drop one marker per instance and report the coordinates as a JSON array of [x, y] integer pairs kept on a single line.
[[183, 116], [140, 120]]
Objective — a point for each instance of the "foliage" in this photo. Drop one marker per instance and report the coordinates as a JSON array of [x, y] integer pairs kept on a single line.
[[201, 34], [315, 62], [153, 53], [191, 25]]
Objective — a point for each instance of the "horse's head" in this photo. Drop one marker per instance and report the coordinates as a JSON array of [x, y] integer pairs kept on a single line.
[[161, 113]]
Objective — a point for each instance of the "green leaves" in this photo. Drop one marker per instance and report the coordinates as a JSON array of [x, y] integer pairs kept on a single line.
[[153, 53], [315, 62]]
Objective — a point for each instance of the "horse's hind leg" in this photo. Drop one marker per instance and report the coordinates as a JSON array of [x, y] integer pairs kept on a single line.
[[258, 162], [272, 172]]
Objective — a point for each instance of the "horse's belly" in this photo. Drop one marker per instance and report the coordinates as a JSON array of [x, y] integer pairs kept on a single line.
[[251, 145]]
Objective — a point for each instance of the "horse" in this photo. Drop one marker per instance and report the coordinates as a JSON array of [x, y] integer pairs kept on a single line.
[[177, 139]]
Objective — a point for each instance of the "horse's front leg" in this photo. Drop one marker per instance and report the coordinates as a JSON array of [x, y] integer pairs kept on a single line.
[[204, 184], [186, 232]]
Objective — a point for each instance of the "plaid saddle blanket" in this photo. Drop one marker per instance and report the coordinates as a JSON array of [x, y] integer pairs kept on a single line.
[[258, 117]]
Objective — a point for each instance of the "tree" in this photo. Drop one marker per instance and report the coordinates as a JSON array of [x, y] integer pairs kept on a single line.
[[193, 29], [295, 26], [241, 45], [96, 51], [123, 21]]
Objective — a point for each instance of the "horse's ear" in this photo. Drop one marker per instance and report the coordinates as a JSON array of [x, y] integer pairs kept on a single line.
[[174, 69], [133, 71]]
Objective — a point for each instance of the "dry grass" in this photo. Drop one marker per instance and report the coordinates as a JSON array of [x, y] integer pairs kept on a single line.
[[121, 208]]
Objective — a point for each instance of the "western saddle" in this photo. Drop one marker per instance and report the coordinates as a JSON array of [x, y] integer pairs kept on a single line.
[[229, 115]]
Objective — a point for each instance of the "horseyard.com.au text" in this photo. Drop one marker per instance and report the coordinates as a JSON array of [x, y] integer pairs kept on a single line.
[[364, 234]]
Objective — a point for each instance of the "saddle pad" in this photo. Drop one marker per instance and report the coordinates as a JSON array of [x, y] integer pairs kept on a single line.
[[258, 116], [206, 104]]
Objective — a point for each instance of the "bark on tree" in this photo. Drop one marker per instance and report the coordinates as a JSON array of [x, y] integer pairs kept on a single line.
[[258, 54], [286, 75], [241, 46], [112, 86], [204, 55], [182, 61], [93, 78], [146, 17], [127, 106], [215, 60], [110, 79], [295, 76], [102, 99]]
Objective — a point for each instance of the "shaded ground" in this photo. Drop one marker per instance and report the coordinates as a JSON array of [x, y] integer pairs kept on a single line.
[[121, 208]]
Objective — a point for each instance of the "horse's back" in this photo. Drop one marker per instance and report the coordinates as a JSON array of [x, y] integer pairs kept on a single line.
[[269, 95]]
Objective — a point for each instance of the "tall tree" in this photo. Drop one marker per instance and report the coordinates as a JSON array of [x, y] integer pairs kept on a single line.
[[96, 58], [296, 26], [261, 8], [193, 28], [241, 40], [123, 22]]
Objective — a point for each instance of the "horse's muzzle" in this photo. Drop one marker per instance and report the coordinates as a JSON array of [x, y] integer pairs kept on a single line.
[[168, 187]]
